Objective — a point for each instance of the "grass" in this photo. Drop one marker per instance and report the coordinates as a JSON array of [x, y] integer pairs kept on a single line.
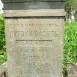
[[3, 57]]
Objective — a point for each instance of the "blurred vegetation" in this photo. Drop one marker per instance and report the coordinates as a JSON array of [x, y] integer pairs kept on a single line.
[[71, 10], [70, 44], [70, 5], [2, 41]]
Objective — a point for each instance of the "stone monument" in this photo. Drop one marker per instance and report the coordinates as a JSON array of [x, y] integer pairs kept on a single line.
[[34, 37], [72, 70]]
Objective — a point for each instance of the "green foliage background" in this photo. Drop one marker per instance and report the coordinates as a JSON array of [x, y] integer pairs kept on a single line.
[[2, 41], [70, 42]]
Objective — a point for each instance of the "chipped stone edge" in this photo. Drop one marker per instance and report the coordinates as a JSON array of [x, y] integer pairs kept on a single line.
[[3, 68]]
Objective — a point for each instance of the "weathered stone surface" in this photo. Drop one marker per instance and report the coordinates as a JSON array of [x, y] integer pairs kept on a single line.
[[35, 47], [34, 13], [72, 70], [35, 29], [34, 5], [30, 0], [3, 70]]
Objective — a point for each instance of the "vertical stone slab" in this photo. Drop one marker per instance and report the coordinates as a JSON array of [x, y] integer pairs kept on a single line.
[[72, 70], [34, 36]]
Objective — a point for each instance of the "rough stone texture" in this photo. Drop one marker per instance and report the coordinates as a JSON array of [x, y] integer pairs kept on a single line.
[[35, 47], [34, 5], [34, 13], [3, 70], [34, 39], [72, 70], [30, 0]]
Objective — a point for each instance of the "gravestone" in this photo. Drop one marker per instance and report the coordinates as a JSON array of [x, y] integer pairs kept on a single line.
[[72, 70], [34, 37]]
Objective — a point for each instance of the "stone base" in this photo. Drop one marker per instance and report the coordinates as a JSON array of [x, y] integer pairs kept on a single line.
[[3, 70]]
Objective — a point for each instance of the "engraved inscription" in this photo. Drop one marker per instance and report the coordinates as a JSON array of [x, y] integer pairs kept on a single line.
[[35, 46], [35, 29], [34, 33], [34, 54], [35, 43]]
